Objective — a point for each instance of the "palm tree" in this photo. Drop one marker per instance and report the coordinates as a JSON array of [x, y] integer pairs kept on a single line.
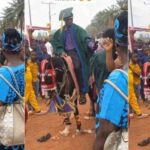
[[122, 4], [14, 14]]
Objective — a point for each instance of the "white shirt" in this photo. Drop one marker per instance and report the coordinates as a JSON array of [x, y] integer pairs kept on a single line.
[[49, 48]]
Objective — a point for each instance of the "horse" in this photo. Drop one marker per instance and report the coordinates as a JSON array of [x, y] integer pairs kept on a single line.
[[65, 91]]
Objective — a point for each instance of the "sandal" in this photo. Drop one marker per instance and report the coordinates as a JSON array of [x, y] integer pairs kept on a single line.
[[142, 116], [144, 142], [42, 112], [82, 99], [44, 138]]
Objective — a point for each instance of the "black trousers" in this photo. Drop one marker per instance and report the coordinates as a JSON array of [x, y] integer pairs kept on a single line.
[[142, 90]]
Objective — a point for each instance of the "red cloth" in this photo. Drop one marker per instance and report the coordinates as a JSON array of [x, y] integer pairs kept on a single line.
[[146, 71], [71, 69], [50, 72], [43, 84], [26, 114]]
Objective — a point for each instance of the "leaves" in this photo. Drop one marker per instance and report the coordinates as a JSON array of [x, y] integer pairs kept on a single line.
[[13, 15]]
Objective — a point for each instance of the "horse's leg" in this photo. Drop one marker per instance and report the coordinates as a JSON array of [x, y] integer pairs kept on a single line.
[[92, 109], [67, 122], [92, 97], [77, 118]]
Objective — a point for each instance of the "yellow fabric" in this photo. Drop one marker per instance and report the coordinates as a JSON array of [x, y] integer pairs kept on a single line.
[[29, 92], [34, 70], [135, 69], [132, 95]]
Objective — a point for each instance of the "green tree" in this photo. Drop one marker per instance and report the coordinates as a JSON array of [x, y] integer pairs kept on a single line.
[[13, 14], [105, 19]]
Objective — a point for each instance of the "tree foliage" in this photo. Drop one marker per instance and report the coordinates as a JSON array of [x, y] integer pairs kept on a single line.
[[105, 19], [13, 15]]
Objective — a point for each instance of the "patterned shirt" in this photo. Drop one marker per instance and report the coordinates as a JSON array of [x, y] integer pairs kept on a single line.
[[112, 106], [8, 96], [34, 70], [135, 68]]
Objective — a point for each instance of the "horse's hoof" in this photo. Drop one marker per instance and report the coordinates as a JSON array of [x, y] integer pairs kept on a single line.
[[82, 99], [89, 117], [78, 132], [64, 133]]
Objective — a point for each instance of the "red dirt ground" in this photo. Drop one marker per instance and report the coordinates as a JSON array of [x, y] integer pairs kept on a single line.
[[139, 129], [38, 126]]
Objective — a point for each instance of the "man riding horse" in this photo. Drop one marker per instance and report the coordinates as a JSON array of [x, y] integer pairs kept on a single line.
[[73, 41]]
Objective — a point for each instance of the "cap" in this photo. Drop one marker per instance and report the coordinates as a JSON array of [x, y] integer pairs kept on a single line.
[[121, 29], [66, 13]]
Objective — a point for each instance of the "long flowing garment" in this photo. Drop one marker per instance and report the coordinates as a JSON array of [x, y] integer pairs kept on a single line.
[[29, 91], [132, 96], [8, 96]]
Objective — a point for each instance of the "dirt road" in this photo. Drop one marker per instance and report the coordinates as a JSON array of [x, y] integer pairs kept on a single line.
[[52, 123], [139, 129]]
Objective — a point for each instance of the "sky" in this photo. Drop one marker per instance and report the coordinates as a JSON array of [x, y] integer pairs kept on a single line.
[[83, 11], [141, 13], [3, 4]]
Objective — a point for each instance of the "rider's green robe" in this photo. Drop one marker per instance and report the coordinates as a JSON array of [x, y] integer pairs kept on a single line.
[[80, 40]]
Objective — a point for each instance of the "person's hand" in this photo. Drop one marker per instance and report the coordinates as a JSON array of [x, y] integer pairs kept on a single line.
[[63, 54], [1, 104], [107, 44]]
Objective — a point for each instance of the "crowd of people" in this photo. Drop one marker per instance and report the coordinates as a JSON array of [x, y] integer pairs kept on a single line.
[[92, 65]]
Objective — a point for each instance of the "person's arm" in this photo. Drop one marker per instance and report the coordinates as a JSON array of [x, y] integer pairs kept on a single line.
[[58, 43], [90, 44], [104, 130], [108, 45], [4, 87], [109, 61], [1, 104], [136, 70], [112, 108]]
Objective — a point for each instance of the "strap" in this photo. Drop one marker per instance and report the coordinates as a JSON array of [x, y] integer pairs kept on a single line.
[[117, 89], [63, 83], [13, 76], [69, 62], [10, 85]]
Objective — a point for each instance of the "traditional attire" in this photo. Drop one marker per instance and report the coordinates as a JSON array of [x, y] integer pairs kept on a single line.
[[132, 96], [74, 41], [8, 96], [29, 91], [44, 89], [34, 70], [98, 68], [136, 77], [113, 107]]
